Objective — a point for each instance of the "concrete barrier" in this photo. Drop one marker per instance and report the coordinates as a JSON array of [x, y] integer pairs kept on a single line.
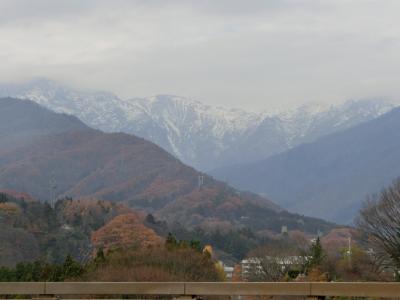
[[22, 288], [248, 288], [356, 289], [306, 289], [119, 288]]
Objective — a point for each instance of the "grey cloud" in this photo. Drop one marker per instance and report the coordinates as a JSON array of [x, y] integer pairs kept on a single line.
[[254, 54]]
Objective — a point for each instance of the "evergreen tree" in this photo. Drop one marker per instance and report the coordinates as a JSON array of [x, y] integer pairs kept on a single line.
[[100, 257], [171, 242], [195, 244], [316, 255], [3, 198], [71, 268], [150, 219]]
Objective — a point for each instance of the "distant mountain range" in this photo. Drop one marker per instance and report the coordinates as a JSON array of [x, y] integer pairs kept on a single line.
[[331, 176], [202, 136], [62, 157]]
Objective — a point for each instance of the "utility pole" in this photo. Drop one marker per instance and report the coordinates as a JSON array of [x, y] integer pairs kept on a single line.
[[349, 252]]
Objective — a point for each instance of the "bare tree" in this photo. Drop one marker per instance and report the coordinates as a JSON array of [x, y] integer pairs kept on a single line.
[[379, 221], [269, 269], [274, 261]]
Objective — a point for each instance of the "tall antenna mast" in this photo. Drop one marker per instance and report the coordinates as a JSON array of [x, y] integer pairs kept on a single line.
[[53, 189], [201, 181]]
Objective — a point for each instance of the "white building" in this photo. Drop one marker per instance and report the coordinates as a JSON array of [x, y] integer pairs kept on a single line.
[[254, 265]]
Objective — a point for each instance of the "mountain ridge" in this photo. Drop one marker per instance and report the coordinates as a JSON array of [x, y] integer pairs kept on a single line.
[[203, 136], [123, 168], [331, 176]]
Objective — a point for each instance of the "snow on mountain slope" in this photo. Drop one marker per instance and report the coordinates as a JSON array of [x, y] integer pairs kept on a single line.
[[202, 136], [195, 132], [282, 131]]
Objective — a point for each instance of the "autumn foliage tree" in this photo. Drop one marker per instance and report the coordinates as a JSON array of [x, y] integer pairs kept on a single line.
[[356, 266], [177, 262]]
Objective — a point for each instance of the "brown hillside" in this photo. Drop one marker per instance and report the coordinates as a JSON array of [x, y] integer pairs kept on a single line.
[[82, 162], [86, 207]]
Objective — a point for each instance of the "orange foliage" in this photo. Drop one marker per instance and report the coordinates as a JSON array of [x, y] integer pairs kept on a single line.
[[92, 206], [237, 273], [125, 231], [161, 187], [154, 264], [9, 208], [316, 275], [204, 206]]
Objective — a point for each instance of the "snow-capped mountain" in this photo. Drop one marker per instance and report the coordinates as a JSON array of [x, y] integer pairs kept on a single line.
[[196, 133], [202, 136]]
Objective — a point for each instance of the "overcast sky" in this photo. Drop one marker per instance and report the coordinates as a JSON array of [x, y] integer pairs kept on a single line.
[[249, 54]]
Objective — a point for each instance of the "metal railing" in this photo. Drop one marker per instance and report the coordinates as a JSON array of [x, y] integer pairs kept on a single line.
[[306, 289]]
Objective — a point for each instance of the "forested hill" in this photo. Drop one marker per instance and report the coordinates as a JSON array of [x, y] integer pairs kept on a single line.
[[68, 159], [32, 230]]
